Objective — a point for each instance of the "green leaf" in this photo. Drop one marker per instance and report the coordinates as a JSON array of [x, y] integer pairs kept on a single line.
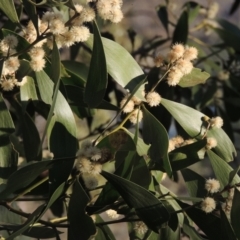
[[105, 232], [187, 155], [180, 33], [97, 76], [26, 225], [19, 180], [55, 63], [81, 225], [168, 233], [235, 211], [191, 231], [76, 97], [155, 134], [8, 156], [120, 64], [7, 6], [28, 90], [226, 227], [163, 16], [197, 76], [195, 183], [147, 206], [233, 174], [208, 223], [221, 169], [191, 121]]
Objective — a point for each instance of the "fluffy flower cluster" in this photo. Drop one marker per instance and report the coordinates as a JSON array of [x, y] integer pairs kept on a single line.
[[180, 58], [216, 122], [88, 160], [208, 204], [211, 143], [177, 142], [112, 214], [140, 227], [110, 10], [212, 185], [128, 106], [8, 46], [223, 75], [153, 99]]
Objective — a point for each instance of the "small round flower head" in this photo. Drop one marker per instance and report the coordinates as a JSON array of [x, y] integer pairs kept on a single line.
[[190, 53], [158, 60], [87, 14], [208, 204], [178, 141], [213, 10], [47, 16], [36, 53], [136, 100], [23, 82], [7, 85], [8, 42], [216, 122], [188, 141], [176, 52], [37, 65], [129, 106], [116, 16], [174, 76], [112, 214], [90, 181], [12, 64], [80, 34], [140, 227], [96, 168], [84, 165], [171, 145], [67, 38], [223, 75], [78, 8], [153, 99], [184, 66], [94, 153], [212, 185], [136, 115], [211, 143], [57, 26]]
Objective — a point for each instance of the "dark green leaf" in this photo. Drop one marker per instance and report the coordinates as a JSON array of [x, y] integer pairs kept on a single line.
[[197, 76], [234, 7], [226, 227], [235, 211], [168, 233], [156, 135], [19, 180], [232, 174], [221, 169], [187, 155], [180, 33], [97, 76], [7, 6], [55, 64], [163, 16], [8, 156], [191, 121], [146, 205], [120, 64], [208, 223], [195, 183], [81, 225]]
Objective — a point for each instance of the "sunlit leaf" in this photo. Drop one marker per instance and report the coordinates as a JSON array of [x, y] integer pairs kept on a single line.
[[197, 76], [191, 121], [7, 6]]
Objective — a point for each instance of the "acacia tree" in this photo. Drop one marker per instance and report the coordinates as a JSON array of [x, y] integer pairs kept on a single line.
[[119, 171]]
